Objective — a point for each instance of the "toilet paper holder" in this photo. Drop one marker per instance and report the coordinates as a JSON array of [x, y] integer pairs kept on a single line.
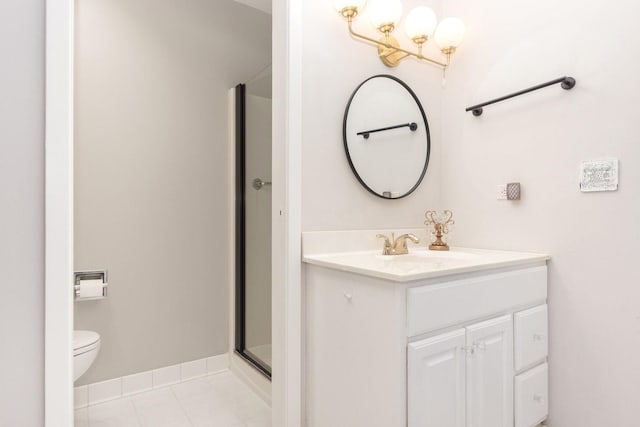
[[80, 276]]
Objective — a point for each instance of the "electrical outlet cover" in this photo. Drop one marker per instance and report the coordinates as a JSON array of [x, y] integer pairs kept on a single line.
[[599, 175]]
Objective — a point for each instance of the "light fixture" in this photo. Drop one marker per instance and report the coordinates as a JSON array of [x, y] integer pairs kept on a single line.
[[420, 26]]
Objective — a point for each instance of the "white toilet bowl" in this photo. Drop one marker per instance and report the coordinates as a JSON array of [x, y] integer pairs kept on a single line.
[[86, 345]]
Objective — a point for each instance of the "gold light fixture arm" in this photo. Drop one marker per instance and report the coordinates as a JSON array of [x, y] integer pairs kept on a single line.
[[390, 51]]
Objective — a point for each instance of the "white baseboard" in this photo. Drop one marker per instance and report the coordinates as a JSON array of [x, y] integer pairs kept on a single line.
[[104, 391]]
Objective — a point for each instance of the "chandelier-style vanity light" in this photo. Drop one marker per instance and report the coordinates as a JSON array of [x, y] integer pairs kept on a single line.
[[420, 25]]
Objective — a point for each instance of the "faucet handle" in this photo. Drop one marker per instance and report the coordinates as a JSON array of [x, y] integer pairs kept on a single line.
[[386, 239], [386, 248]]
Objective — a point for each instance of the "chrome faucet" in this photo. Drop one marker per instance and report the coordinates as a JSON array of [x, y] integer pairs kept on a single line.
[[397, 246]]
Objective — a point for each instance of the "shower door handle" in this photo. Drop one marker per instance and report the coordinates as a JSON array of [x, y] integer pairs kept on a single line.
[[258, 183]]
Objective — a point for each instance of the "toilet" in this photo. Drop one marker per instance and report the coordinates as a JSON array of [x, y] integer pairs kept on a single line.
[[86, 345]]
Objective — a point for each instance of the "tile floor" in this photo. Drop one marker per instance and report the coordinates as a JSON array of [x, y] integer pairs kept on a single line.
[[219, 400]]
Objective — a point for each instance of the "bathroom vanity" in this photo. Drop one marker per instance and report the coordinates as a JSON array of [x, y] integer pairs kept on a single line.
[[449, 339]]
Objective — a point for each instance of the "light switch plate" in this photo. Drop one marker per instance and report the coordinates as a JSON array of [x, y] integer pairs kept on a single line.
[[599, 175]]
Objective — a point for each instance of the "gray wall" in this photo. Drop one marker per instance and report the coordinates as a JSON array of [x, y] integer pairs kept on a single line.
[[22, 213], [152, 173]]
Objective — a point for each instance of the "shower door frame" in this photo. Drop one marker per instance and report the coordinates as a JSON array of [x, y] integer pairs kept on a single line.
[[240, 347]]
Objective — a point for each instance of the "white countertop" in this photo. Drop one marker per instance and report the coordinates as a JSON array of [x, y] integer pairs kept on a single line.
[[422, 263]]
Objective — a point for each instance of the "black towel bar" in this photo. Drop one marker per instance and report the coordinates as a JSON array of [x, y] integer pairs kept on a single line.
[[566, 83]]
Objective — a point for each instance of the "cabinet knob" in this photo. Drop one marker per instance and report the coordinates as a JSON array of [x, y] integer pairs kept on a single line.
[[348, 296], [475, 348], [538, 337]]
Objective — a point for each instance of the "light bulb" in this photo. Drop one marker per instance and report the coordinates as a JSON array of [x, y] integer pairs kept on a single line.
[[384, 12], [341, 5], [420, 23], [449, 34]]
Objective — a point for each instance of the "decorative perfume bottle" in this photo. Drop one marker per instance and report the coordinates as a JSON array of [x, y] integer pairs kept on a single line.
[[438, 225]]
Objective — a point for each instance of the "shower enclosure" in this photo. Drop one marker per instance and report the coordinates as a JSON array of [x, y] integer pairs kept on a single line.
[[253, 223]]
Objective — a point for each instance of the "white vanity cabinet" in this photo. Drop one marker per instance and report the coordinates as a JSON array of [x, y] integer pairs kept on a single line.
[[452, 350], [462, 378]]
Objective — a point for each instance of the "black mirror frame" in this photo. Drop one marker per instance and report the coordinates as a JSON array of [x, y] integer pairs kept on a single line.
[[426, 125]]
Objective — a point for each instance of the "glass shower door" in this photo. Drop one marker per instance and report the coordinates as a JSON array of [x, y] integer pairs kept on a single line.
[[253, 218]]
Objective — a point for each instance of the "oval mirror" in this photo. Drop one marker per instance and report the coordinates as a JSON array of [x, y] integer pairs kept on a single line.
[[386, 137]]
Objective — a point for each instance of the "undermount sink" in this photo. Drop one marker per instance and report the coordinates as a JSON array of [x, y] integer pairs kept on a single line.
[[420, 263]]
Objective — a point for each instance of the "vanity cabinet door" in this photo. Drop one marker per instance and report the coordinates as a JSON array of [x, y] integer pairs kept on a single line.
[[490, 373], [436, 381]]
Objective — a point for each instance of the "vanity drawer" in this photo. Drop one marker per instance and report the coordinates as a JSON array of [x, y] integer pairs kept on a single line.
[[532, 396], [531, 336], [433, 307]]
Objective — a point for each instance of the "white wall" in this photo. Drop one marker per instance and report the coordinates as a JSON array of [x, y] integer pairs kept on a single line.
[[22, 213], [333, 65], [539, 140], [152, 175]]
